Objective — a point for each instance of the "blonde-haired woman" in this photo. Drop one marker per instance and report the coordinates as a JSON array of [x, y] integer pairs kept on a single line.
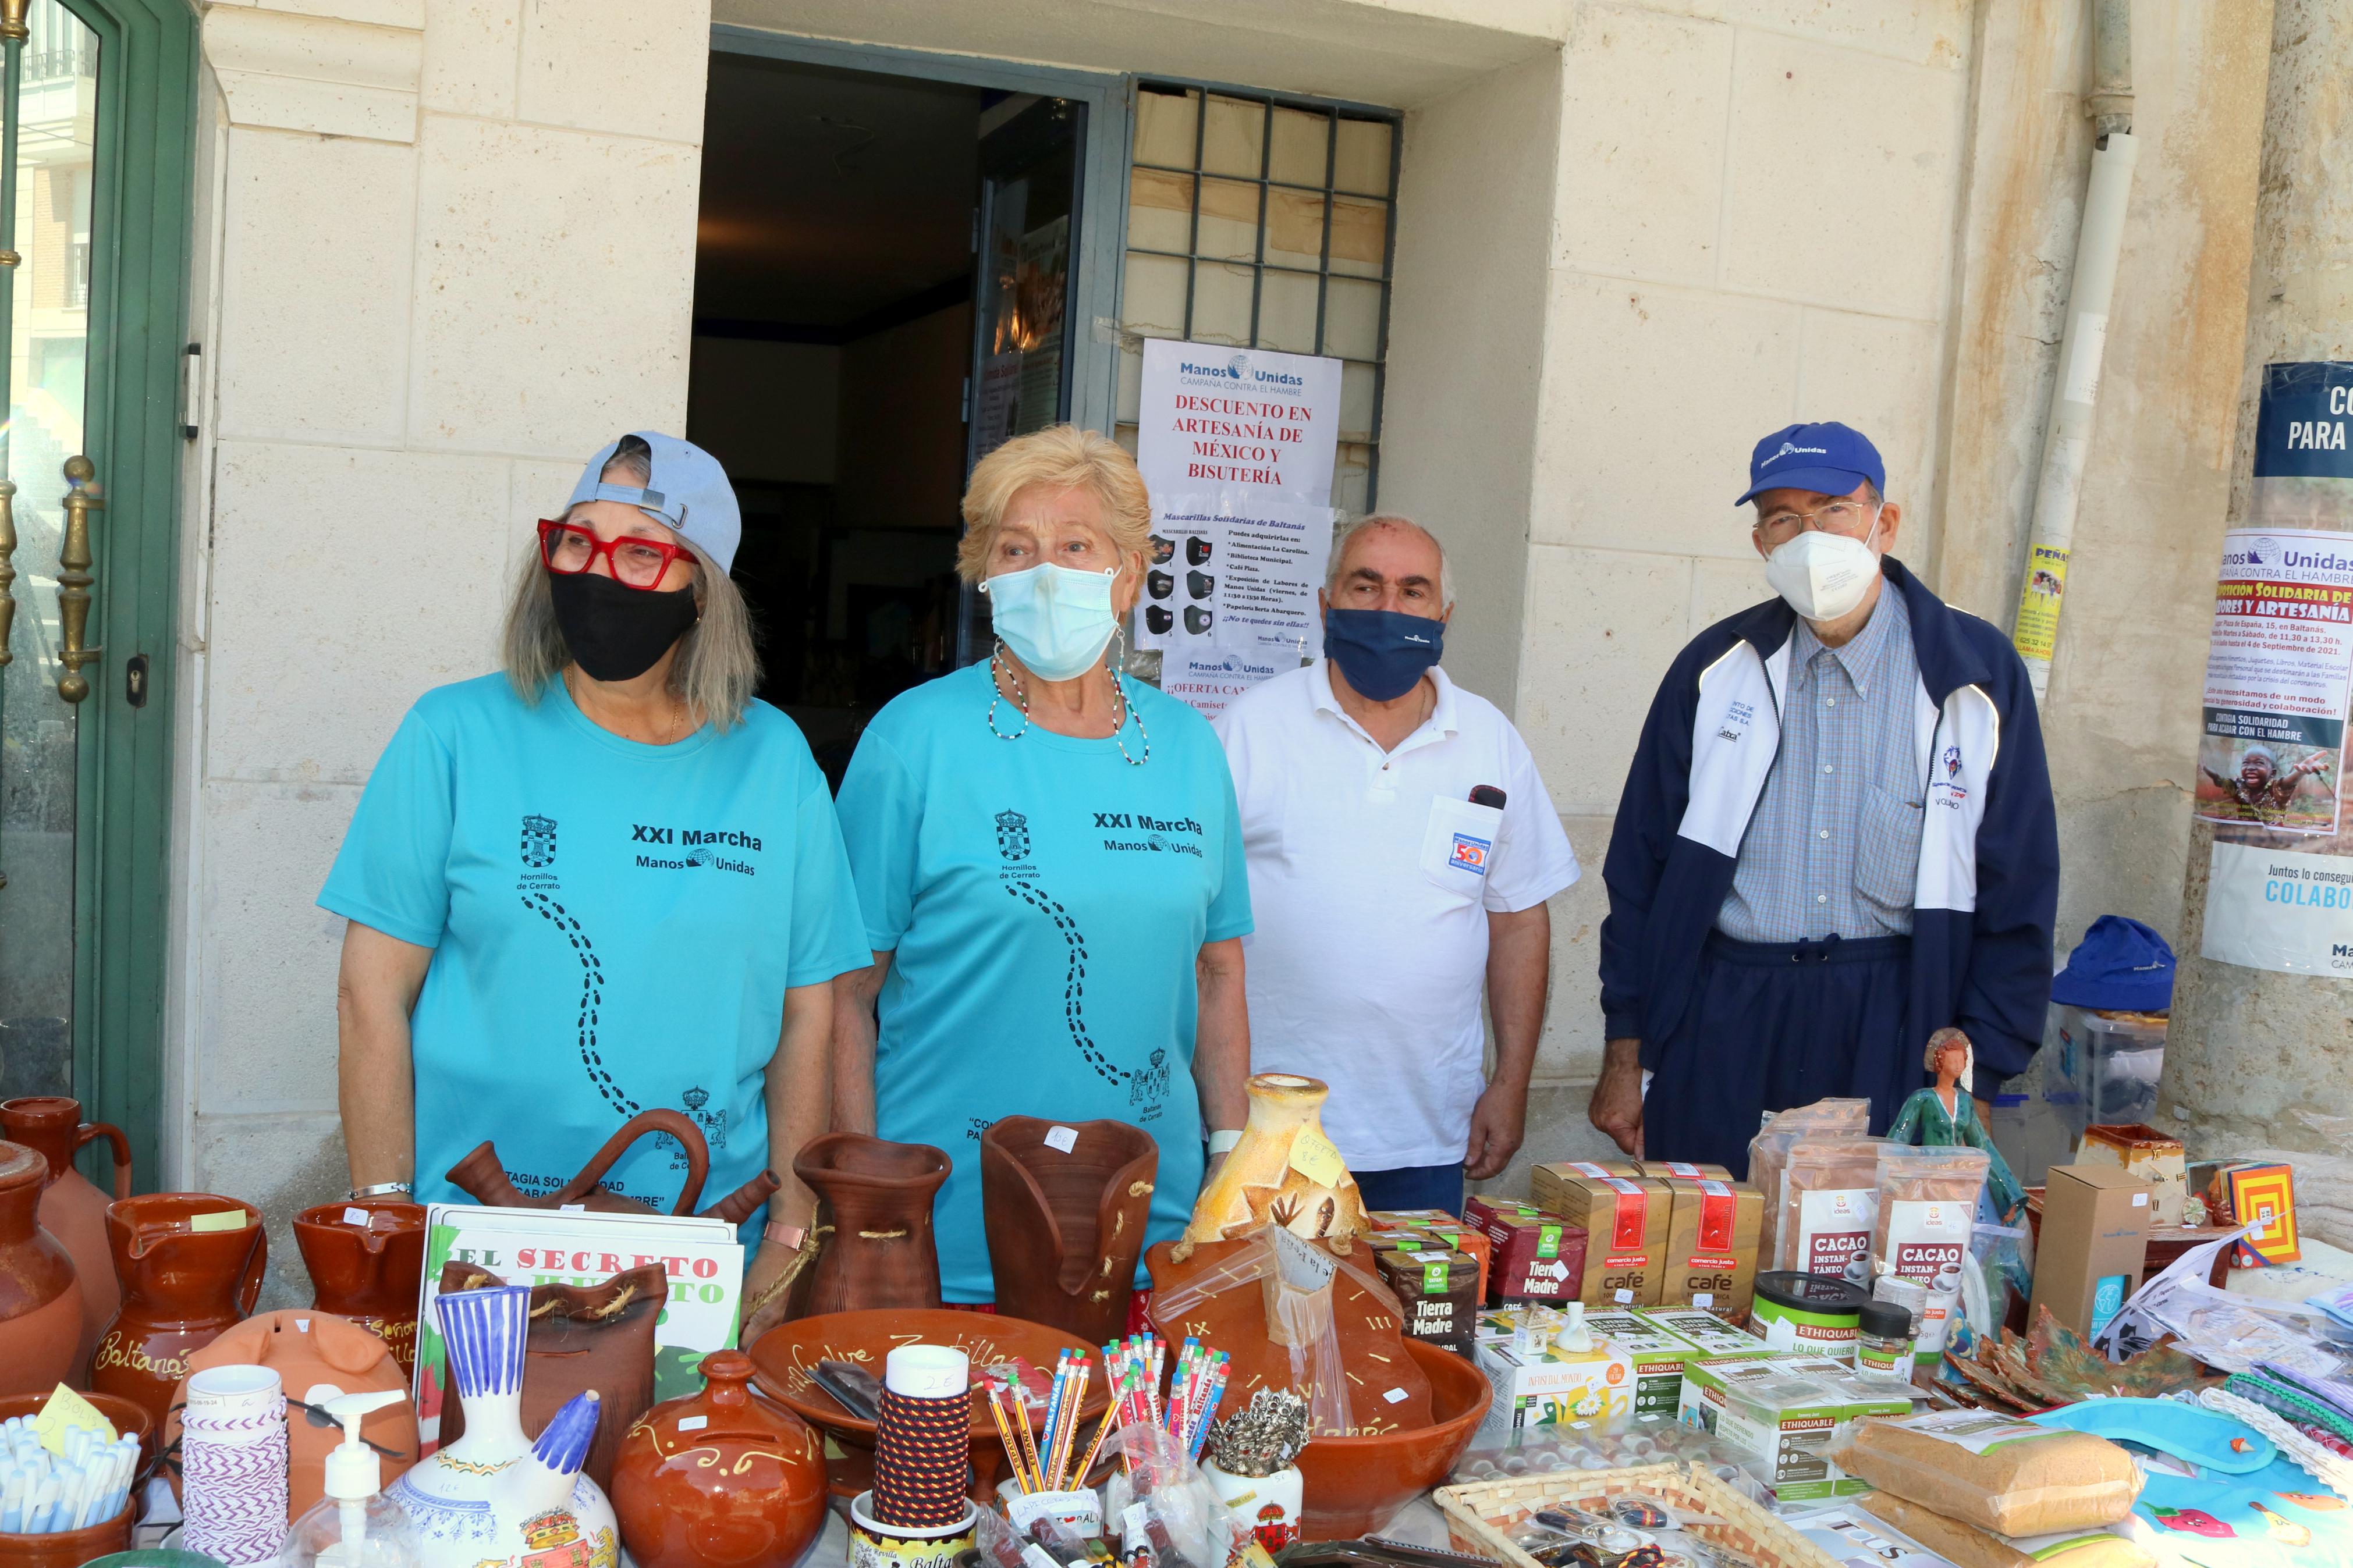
[[1050, 863], [605, 881]]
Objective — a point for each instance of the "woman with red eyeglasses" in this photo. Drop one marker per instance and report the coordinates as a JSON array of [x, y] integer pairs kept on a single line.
[[606, 879]]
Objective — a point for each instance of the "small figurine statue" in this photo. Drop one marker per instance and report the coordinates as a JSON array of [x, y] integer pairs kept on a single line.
[[1948, 1115]]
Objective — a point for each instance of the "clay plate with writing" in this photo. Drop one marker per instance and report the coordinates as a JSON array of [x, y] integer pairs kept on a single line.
[[782, 1359]]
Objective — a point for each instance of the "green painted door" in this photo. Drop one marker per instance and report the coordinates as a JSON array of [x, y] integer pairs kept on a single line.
[[94, 204]]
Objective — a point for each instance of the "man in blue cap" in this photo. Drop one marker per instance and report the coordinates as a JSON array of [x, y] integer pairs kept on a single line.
[[1836, 837]]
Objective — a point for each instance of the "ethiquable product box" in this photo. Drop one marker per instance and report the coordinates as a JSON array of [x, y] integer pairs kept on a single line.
[[1659, 1358], [1712, 1334], [1552, 1387], [1788, 1419]]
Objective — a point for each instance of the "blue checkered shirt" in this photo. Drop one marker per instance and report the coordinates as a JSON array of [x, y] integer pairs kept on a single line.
[[1834, 846]]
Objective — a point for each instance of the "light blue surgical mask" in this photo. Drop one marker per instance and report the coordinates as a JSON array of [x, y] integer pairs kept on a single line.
[[1056, 619]]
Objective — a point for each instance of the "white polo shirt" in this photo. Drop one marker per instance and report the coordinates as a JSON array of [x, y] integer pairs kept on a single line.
[[1371, 877]]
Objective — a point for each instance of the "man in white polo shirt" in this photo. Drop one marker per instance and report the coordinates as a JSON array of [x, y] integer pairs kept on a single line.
[[1401, 848]]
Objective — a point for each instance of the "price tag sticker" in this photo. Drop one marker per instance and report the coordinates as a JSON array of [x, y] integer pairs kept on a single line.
[[1624, 1298], [1062, 1139], [356, 1216], [219, 1219], [1313, 1156], [572, 1209], [1397, 1397], [692, 1423], [1702, 1299]]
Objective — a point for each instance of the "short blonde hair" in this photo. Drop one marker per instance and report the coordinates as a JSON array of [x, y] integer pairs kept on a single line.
[[1060, 456]]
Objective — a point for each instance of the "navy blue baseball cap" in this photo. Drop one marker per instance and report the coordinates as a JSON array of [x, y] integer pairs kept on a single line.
[[2120, 966], [1829, 457]]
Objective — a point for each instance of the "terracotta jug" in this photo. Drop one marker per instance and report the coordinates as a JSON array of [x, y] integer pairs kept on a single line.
[[482, 1176], [1284, 1170], [305, 1348], [719, 1480], [71, 1209], [367, 1268], [40, 1301], [874, 1219], [181, 1287], [1065, 1204]]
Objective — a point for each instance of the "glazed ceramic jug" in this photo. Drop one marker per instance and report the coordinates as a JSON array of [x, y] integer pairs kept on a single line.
[[190, 1264], [874, 1219], [1284, 1170], [492, 1495], [40, 1301], [1065, 1204], [719, 1480], [366, 1257], [71, 1209], [483, 1177]]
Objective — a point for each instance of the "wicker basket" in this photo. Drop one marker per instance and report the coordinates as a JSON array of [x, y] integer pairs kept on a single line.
[[1481, 1516]]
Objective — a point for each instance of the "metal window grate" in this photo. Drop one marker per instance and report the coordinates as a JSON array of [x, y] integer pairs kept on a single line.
[[1262, 220]]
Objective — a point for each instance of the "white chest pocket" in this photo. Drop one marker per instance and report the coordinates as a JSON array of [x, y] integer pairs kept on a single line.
[[1460, 844]]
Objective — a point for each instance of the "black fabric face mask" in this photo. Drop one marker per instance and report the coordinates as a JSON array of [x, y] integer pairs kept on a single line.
[[617, 632]]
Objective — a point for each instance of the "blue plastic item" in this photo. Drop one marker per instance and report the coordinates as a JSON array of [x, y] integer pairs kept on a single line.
[[2206, 1438]]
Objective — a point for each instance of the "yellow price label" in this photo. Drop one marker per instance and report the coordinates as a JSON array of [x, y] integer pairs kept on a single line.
[[1313, 1156], [219, 1219], [65, 1412]]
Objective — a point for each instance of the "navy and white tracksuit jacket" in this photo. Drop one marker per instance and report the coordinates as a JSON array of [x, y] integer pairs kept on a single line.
[[1984, 902]]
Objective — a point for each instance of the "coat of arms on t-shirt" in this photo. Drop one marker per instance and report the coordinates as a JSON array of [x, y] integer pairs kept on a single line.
[[1012, 835], [713, 1122], [538, 842]]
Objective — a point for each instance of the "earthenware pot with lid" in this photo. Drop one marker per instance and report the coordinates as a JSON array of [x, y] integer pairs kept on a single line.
[[1065, 1205], [191, 1265], [722, 1478], [874, 1223], [72, 1209], [40, 1301]]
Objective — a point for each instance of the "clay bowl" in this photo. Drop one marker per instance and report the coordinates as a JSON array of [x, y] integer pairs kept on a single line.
[[68, 1548], [782, 1358], [1355, 1485], [127, 1417]]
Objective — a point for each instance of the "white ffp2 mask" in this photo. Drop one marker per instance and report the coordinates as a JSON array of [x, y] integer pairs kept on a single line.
[[1823, 576]]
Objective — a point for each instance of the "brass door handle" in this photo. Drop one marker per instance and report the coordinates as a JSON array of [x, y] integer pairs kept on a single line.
[[74, 578]]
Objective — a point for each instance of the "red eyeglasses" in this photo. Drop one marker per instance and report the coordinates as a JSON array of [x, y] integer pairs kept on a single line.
[[570, 549]]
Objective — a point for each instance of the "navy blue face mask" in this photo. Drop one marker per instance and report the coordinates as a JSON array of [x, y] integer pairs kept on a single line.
[[1382, 652]]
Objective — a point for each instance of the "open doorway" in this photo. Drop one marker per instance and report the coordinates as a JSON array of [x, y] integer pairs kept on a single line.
[[879, 292]]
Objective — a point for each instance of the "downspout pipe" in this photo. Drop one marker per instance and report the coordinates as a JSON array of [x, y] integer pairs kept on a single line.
[[2059, 489]]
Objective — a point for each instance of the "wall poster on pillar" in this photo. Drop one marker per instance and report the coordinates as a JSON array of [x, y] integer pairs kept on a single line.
[[2279, 675]]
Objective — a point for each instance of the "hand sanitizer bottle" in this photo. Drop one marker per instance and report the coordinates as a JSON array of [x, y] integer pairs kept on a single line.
[[355, 1525]]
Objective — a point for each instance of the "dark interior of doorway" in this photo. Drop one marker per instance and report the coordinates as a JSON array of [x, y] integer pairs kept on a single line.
[[832, 341]]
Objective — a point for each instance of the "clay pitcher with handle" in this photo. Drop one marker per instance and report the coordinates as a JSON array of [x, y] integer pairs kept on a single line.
[[1065, 1204], [73, 1210], [874, 1223], [366, 1259], [483, 1177], [40, 1302], [190, 1264]]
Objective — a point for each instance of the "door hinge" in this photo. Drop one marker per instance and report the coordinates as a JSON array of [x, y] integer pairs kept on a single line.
[[191, 389]]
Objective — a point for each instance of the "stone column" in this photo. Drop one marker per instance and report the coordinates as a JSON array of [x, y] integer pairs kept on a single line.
[[2255, 1057]]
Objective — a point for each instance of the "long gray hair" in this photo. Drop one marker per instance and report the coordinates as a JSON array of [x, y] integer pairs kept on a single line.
[[717, 667]]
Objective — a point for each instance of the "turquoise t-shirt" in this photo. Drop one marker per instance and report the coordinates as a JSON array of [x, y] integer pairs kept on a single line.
[[1044, 902], [614, 926]]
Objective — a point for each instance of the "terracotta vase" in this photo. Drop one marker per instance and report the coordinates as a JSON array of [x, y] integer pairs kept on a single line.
[[40, 1300], [719, 1480], [1284, 1170], [1066, 1225], [73, 1210], [306, 1347], [482, 1176], [367, 1268], [181, 1287], [874, 1216], [492, 1495]]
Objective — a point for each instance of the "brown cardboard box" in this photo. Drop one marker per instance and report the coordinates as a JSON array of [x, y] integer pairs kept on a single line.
[[1538, 1257], [1668, 1170], [1712, 1233], [2095, 1237], [1625, 1219], [2142, 1150]]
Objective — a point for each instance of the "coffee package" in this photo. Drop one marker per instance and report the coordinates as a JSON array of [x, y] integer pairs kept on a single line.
[[1538, 1257], [1712, 1229], [1439, 1288], [1625, 1219]]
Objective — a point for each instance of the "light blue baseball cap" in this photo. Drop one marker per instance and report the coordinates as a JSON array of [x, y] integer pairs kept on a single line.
[[687, 493]]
